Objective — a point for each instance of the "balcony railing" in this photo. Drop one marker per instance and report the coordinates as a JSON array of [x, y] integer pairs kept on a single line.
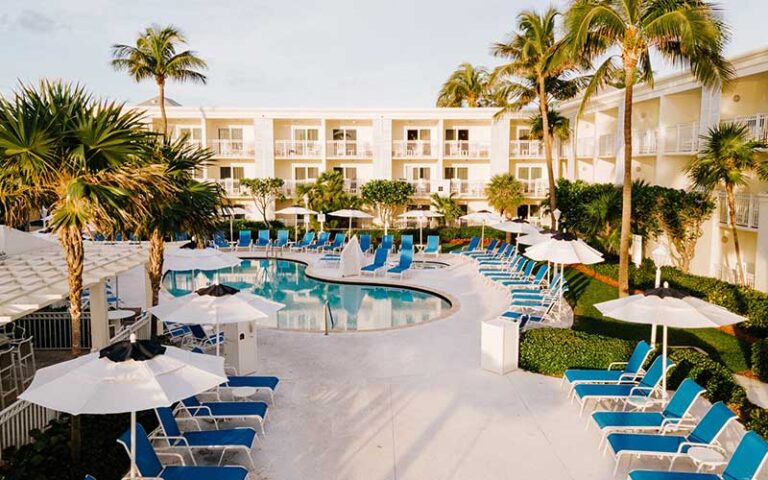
[[682, 138], [232, 148], [349, 149], [747, 210], [526, 149], [585, 147], [298, 149], [466, 149], [606, 145], [466, 188], [757, 125], [414, 149], [644, 142], [422, 187], [535, 188], [231, 187]]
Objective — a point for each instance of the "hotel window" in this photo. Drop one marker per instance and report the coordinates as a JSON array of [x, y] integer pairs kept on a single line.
[[456, 173], [231, 172], [301, 134], [193, 134], [419, 173], [523, 133], [344, 141], [531, 177], [458, 141], [418, 141], [349, 174], [305, 141], [306, 174], [231, 139]]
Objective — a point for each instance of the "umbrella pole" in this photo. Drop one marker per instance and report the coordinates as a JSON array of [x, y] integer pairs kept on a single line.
[[218, 340], [133, 445], [664, 364], [349, 233], [482, 235], [296, 228], [421, 238], [232, 227]]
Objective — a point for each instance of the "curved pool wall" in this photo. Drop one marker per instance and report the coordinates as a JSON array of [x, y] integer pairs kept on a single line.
[[353, 306]]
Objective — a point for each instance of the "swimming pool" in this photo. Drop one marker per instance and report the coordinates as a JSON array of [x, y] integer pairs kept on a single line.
[[353, 307]]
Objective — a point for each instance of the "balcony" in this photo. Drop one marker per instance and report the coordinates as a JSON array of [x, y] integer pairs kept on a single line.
[[298, 149], [232, 148], [466, 149], [351, 185], [349, 149], [747, 210], [644, 142], [585, 147], [466, 188], [682, 138], [414, 149], [606, 145], [526, 149], [422, 187], [757, 125], [536, 188], [231, 187]]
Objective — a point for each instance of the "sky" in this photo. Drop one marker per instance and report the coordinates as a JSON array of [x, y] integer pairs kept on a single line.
[[290, 53]]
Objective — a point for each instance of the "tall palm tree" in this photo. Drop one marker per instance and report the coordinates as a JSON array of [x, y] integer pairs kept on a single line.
[[155, 56], [728, 157], [505, 194], [60, 146], [537, 71], [466, 87], [681, 31], [558, 125]]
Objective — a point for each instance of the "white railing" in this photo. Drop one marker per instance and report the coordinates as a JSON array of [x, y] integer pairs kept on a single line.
[[421, 187], [644, 142], [19, 420], [729, 273], [606, 145], [585, 147], [414, 149], [141, 327], [349, 149], [682, 138], [535, 188], [467, 188], [52, 330], [747, 210], [298, 149], [757, 125], [232, 148], [526, 149], [466, 149], [351, 185], [231, 187]]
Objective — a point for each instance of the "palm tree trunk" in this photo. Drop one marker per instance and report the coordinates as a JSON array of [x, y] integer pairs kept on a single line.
[[544, 108], [71, 239], [732, 219], [626, 198], [161, 101], [155, 273]]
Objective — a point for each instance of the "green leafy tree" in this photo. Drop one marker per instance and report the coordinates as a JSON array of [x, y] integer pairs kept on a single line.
[[155, 55], [386, 196], [448, 207], [264, 191], [728, 157], [505, 194], [327, 194], [466, 87], [682, 216], [626, 33]]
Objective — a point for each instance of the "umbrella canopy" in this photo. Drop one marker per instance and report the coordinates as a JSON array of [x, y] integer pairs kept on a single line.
[[420, 215], [198, 259], [13, 242], [351, 258], [533, 238], [565, 249], [668, 307], [482, 216], [351, 214], [518, 225], [295, 210]]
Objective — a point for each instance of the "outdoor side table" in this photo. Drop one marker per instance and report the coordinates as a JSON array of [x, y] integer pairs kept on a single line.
[[706, 457], [242, 394]]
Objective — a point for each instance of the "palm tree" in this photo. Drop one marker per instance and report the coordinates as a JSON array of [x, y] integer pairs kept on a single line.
[[60, 146], [466, 87], [447, 206], [538, 71], [155, 56], [505, 194], [559, 126], [727, 159], [680, 31]]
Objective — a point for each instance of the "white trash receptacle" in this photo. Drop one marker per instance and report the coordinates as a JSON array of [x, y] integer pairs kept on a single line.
[[499, 345], [240, 346]]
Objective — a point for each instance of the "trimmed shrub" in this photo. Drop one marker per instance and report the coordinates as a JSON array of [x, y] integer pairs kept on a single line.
[[551, 351], [760, 359], [758, 421], [713, 376]]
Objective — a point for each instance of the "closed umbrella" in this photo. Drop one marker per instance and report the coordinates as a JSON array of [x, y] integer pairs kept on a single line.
[[351, 258], [127, 376], [482, 217], [668, 307], [350, 214], [420, 215], [296, 210]]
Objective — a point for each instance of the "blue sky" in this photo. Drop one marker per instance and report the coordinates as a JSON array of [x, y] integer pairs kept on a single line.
[[298, 53]]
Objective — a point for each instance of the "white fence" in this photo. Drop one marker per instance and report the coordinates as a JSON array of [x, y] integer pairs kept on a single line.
[[19, 420], [52, 330]]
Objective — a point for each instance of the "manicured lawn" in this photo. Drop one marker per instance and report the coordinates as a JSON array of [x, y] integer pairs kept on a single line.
[[587, 291]]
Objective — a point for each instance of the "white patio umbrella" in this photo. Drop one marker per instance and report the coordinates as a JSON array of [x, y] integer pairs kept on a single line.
[[128, 376], [420, 216], [232, 212], [482, 216], [534, 238], [518, 225], [296, 210], [198, 259], [668, 307], [350, 214], [215, 305]]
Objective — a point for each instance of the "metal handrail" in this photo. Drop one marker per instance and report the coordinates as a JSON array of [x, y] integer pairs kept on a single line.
[[328, 318]]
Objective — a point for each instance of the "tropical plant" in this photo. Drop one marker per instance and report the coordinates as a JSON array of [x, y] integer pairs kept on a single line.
[[264, 191], [505, 194], [447, 206], [537, 71], [727, 158], [155, 56], [602, 220], [466, 87], [60, 146], [682, 216], [327, 194], [386, 196], [682, 31], [559, 127]]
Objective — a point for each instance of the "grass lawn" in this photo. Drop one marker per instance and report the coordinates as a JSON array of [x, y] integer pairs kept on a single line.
[[587, 291]]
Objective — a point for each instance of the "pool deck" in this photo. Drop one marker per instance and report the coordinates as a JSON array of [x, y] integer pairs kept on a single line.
[[413, 403]]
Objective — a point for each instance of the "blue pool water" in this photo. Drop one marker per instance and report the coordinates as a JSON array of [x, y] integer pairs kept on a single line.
[[353, 307]]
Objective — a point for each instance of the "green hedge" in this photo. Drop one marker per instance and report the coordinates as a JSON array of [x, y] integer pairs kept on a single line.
[[713, 376], [551, 351], [760, 359]]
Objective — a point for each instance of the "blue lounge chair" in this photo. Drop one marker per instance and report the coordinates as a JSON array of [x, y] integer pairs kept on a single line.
[[262, 240], [531, 283], [177, 334], [149, 466], [322, 240], [433, 245], [203, 340], [259, 382], [337, 244], [406, 242], [678, 409], [238, 439], [365, 243], [406, 260], [245, 240], [746, 463], [220, 241], [647, 386], [379, 261], [304, 243], [711, 425], [387, 242], [494, 247], [283, 239], [473, 244], [632, 369], [225, 410]]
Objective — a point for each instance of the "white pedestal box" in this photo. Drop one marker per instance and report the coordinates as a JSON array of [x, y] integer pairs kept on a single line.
[[240, 346], [499, 345]]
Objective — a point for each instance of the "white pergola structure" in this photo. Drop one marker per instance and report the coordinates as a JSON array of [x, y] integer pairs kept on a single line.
[[33, 275]]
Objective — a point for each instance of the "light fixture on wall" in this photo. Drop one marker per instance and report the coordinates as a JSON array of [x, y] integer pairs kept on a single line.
[[736, 98]]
